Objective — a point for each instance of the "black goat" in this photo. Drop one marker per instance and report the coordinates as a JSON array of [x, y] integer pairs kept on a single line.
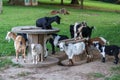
[[54, 41], [86, 32], [80, 30], [111, 50], [45, 22], [24, 35]]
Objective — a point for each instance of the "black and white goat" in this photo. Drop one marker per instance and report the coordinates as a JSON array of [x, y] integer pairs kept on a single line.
[[55, 39], [45, 22], [81, 30], [111, 50], [72, 49]]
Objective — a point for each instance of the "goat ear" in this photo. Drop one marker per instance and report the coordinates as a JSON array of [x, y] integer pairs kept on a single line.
[[92, 27]]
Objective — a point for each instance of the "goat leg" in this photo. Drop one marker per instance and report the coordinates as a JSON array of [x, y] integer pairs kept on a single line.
[[24, 57], [116, 60], [53, 49], [103, 59], [36, 59], [71, 62], [16, 56]]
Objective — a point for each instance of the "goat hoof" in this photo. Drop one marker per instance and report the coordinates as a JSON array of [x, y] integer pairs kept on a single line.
[[70, 64], [53, 53], [17, 60], [103, 60], [24, 61], [87, 61], [45, 57], [115, 62]]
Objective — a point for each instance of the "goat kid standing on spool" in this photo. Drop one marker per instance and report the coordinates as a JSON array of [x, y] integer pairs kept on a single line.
[[19, 44], [81, 30], [72, 49]]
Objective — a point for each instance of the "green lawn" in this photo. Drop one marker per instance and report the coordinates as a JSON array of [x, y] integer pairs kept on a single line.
[[106, 23]]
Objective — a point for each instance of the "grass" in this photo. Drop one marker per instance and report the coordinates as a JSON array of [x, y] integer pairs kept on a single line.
[[6, 62], [113, 77], [97, 75], [106, 23]]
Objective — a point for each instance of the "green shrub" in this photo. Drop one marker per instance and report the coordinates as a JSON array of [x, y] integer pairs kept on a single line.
[[111, 1]]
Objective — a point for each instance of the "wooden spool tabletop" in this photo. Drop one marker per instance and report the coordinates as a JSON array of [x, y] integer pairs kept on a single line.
[[33, 30]]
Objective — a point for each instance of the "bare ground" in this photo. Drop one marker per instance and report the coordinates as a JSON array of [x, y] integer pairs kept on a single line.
[[83, 71]]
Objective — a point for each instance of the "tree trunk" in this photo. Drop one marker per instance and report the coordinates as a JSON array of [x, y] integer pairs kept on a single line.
[[62, 2], [1, 4], [16, 2], [74, 2], [82, 3]]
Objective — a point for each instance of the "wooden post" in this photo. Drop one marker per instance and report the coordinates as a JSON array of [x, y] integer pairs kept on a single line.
[[1, 6]]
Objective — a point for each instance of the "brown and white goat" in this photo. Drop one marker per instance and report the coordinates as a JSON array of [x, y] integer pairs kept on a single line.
[[19, 44], [101, 40], [90, 46]]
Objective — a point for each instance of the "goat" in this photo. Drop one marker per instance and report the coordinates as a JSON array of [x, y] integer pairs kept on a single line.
[[72, 49], [45, 22], [61, 11], [101, 40], [24, 35], [54, 12], [111, 50], [46, 38], [19, 44], [36, 50], [80, 30], [55, 39]]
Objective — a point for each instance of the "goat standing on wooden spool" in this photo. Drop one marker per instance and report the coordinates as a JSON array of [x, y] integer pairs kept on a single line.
[[72, 48], [19, 44]]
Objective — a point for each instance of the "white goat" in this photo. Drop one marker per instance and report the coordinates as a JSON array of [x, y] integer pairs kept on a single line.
[[72, 49], [36, 49], [19, 44]]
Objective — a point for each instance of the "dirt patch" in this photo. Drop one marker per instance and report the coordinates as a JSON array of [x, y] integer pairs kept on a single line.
[[57, 72]]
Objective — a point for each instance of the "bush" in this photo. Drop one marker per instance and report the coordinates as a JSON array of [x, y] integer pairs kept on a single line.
[[111, 1]]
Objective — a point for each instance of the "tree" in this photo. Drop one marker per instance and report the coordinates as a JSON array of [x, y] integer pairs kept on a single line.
[[74, 2], [82, 4], [77, 2]]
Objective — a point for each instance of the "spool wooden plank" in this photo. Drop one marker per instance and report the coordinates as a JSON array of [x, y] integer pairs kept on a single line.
[[73, 40]]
